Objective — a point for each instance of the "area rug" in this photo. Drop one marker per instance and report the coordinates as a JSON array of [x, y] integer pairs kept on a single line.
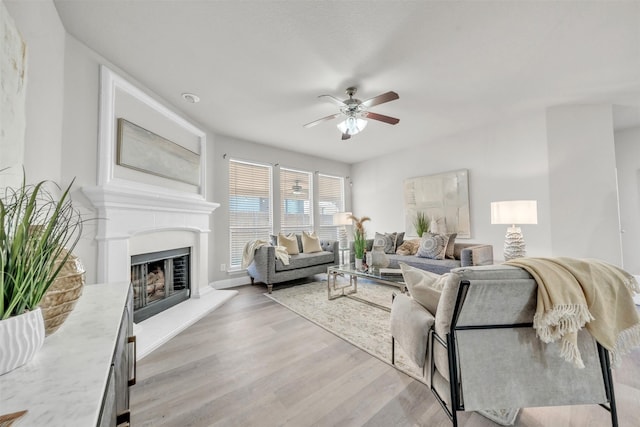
[[361, 324]]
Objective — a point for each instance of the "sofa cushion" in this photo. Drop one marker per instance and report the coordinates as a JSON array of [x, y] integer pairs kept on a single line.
[[289, 242], [399, 239], [310, 243], [387, 241], [306, 260], [434, 265], [433, 246], [425, 287]]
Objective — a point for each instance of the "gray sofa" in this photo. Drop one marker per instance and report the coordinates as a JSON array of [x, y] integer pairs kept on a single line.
[[465, 254], [267, 269]]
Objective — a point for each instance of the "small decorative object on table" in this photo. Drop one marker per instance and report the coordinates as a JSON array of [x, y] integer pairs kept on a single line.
[[359, 239], [378, 258]]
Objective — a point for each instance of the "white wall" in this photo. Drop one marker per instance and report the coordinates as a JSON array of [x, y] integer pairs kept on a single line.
[[582, 179], [506, 161], [627, 143], [42, 31], [250, 151]]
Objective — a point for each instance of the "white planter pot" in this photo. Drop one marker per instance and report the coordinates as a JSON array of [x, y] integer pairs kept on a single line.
[[20, 339], [358, 264]]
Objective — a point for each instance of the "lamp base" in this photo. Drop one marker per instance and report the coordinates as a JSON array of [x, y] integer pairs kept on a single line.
[[342, 237], [514, 246]]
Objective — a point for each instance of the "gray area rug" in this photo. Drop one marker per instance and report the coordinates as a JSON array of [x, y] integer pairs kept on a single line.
[[361, 324]]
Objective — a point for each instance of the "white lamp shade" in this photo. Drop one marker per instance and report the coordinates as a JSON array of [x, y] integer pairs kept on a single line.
[[342, 218], [514, 212], [352, 125]]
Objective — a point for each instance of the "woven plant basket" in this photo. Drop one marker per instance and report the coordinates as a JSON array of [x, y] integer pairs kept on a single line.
[[62, 296]]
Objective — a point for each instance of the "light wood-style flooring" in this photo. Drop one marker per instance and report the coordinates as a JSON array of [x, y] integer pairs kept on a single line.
[[253, 362]]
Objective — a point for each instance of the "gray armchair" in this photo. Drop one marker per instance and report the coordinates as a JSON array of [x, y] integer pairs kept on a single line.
[[481, 341]]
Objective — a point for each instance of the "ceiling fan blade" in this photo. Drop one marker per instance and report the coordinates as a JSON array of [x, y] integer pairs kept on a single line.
[[345, 136], [380, 99], [333, 99], [324, 119], [381, 117]]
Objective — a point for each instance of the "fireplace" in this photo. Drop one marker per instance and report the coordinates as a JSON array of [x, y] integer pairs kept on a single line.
[[160, 280]]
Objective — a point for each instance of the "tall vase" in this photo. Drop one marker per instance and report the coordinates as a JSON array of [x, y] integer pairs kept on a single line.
[[358, 264], [378, 258], [20, 339]]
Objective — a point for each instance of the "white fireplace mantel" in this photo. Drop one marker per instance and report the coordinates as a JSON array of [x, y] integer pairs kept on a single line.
[[138, 214]]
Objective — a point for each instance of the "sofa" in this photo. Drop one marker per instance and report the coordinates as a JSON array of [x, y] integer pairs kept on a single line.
[[463, 255], [268, 269], [477, 333]]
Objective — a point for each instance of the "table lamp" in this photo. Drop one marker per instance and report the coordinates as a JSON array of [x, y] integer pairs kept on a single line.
[[341, 219], [514, 212]]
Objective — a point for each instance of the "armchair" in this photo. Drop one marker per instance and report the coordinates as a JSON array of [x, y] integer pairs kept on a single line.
[[480, 351]]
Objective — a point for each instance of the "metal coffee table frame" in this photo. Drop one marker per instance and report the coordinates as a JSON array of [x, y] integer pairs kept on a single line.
[[351, 288]]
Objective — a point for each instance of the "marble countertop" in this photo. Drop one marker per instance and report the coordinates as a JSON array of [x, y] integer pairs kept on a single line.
[[64, 383]]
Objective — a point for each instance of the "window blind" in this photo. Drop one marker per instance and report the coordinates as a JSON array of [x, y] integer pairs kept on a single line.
[[250, 206], [330, 201], [296, 191]]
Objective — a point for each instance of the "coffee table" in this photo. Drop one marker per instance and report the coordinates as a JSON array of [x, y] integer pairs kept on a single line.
[[350, 289]]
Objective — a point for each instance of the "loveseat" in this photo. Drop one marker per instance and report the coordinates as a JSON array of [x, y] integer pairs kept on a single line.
[[268, 269], [463, 255]]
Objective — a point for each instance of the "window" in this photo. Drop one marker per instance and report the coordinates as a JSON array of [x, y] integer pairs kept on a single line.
[[250, 212], [296, 213], [330, 201]]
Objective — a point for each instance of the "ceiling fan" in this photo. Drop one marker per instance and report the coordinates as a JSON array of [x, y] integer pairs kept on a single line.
[[356, 111], [297, 189]]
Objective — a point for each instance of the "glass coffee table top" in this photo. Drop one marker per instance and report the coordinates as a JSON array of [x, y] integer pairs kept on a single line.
[[335, 289]]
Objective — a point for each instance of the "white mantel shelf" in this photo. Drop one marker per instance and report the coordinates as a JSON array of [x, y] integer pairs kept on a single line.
[[65, 382], [132, 216]]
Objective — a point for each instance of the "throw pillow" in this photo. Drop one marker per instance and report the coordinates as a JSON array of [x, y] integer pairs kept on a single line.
[[408, 247], [310, 243], [399, 239], [424, 286], [433, 246], [387, 241], [289, 242], [450, 246]]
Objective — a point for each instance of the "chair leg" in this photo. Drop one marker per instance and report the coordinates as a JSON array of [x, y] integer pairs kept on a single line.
[[393, 351]]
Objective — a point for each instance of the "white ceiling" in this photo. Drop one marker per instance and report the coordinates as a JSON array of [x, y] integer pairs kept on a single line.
[[258, 66]]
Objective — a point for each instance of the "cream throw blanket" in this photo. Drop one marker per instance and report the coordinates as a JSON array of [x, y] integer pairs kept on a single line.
[[575, 293], [251, 247]]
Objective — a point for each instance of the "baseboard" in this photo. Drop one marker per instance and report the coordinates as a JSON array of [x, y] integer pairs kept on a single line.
[[231, 283]]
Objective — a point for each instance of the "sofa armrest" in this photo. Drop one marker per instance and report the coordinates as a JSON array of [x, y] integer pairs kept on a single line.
[[263, 264], [332, 246], [476, 255]]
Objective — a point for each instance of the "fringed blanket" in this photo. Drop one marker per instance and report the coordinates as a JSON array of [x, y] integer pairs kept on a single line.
[[251, 247], [573, 294]]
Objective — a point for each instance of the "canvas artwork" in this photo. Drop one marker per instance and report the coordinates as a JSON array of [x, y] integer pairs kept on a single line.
[[443, 198], [145, 151], [13, 82]]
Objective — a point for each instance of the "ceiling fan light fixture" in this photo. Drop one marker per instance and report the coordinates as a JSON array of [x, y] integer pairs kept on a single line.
[[352, 125]]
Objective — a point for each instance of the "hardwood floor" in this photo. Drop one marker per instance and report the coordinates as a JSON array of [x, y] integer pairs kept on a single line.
[[253, 362]]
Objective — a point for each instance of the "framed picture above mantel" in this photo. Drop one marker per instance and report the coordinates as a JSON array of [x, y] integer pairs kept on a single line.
[[148, 152], [443, 198]]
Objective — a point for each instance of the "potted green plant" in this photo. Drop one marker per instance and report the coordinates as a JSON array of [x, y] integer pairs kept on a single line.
[[37, 236], [421, 223], [359, 239]]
